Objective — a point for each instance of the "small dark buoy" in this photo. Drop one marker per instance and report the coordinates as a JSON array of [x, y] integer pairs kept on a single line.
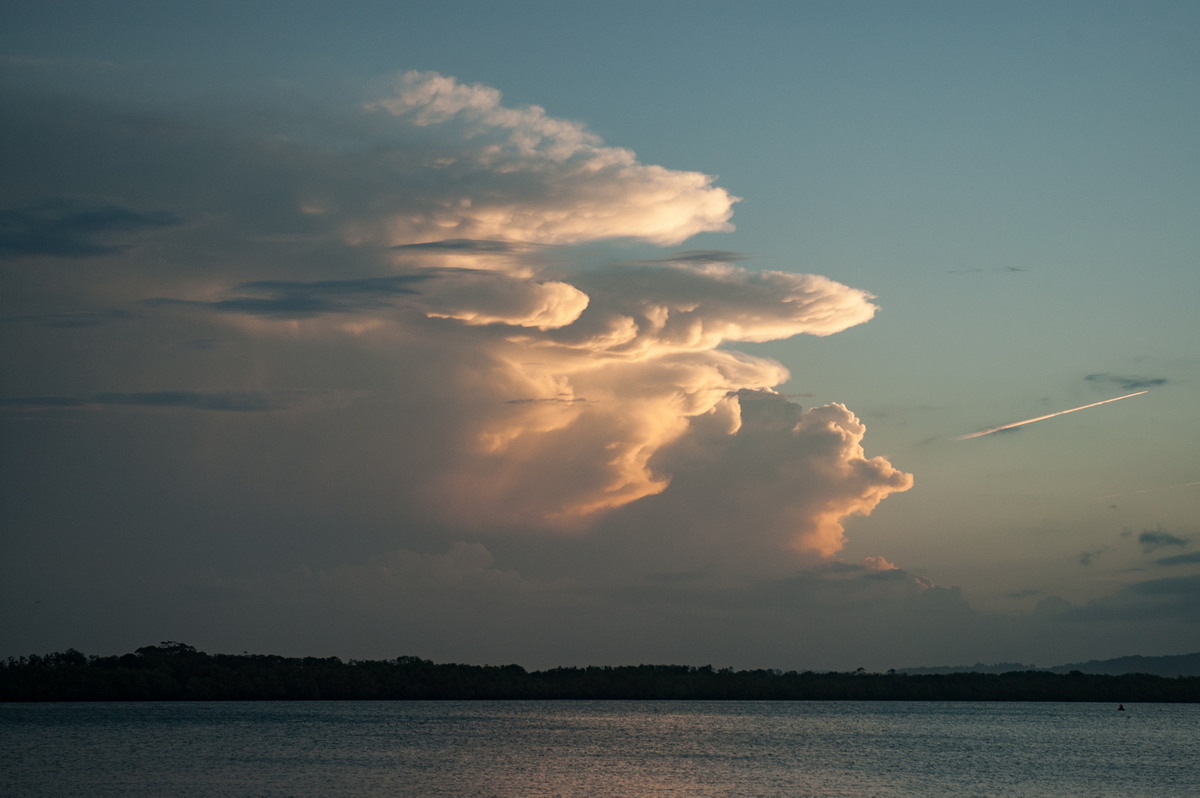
[[1120, 707]]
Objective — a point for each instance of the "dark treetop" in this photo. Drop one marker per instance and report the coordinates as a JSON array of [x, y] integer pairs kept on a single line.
[[177, 672]]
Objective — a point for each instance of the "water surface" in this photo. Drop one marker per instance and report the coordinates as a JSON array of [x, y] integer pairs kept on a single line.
[[530, 749]]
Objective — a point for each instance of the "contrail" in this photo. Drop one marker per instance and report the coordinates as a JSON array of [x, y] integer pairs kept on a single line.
[[1149, 490], [1043, 418]]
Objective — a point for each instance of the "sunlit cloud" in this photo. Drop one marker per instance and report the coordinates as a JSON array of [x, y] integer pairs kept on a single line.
[[520, 174], [685, 307], [758, 485]]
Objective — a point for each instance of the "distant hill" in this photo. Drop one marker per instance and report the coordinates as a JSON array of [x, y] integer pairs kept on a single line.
[[1177, 665], [978, 667], [1174, 665]]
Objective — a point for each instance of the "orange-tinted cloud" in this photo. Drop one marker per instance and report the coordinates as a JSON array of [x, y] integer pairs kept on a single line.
[[588, 405], [770, 497], [519, 174]]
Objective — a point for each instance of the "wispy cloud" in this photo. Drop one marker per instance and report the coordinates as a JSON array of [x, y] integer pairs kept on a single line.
[[552, 399], [700, 256], [468, 245], [1124, 382], [287, 299], [981, 270]]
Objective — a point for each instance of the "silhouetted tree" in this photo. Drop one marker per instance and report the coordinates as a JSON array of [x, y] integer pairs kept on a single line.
[[174, 671]]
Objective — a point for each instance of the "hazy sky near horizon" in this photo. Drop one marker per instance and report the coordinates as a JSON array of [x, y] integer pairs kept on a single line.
[[566, 333]]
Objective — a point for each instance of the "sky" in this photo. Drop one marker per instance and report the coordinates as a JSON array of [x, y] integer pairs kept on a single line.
[[602, 333]]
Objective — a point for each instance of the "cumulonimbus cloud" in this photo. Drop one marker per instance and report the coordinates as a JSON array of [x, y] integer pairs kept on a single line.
[[431, 255]]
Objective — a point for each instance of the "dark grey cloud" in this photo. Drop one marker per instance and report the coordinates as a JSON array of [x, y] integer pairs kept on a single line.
[[1153, 602], [699, 256], [1089, 557], [1152, 539], [1125, 382], [1052, 605], [551, 399], [1171, 586], [72, 228], [468, 245], [71, 320], [840, 567], [222, 401], [982, 270], [1180, 559], [830, 586], [287, 299]]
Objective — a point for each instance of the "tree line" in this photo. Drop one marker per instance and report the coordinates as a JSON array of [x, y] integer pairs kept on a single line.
[[174, 671]]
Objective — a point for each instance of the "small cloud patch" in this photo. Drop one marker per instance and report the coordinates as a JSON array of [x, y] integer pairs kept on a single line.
[[1105, 381]]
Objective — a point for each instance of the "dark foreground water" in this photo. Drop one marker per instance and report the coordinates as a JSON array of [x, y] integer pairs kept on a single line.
[[528, 749]]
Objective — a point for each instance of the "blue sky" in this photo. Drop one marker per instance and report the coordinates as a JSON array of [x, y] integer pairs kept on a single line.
[[479, 331]]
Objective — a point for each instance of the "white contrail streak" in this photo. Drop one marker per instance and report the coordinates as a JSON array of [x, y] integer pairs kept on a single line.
[[1149, 490], [1043, 418]]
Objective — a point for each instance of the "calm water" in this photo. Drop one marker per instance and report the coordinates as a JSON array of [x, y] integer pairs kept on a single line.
[[580, 748]]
